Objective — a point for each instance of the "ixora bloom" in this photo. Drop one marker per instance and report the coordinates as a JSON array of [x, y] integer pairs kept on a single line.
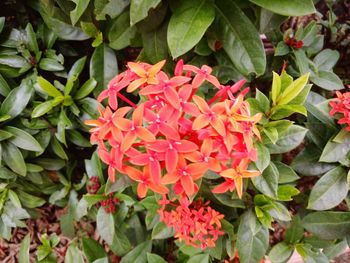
[[341, 106], [173, 136]]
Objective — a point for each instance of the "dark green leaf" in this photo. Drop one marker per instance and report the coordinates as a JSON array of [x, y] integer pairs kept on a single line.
[[32, 43], [29, 200], [296, 231], [252, 239], [280, 253], [328, 225], [288, 140], [162, 231], [2, 23], [139, 9], [138, 254], [23, 139], [4, 87], [13, 158], [155, 45], [201, 258], [121, 244], [263, 156], [334, 152], [103, 67], [113, 8], [326, 59], [13, 61], [327, 80], [286, 173], [17, 100], [121, 33], [50, 164], [92, 249], [287, 8], [188, 24], [329, 191], [240, 39], [267, 183]]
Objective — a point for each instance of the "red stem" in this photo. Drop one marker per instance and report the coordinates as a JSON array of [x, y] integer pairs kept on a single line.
[[122, 97]]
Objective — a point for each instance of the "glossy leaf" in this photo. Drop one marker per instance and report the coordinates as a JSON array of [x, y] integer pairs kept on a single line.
[[154, 258], [334, 152], [138, 254], [267, 183], [240, 39], [23, 139], [329, 190], [139, 9], [103, 66], [287, 8], [326, 59], [327, 80], [42, 109], [105, 225], [121, 33], [292, 91], [252, 239], [155, 45], [188, 24], [328, 225], [79, 9], [14, 158], [50, 64], [86, 89], [162, 231], [263, 159], [280, 253]]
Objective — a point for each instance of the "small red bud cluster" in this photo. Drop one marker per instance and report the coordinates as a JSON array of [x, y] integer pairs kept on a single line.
[[292, 42], [109, 203], [93, 185]]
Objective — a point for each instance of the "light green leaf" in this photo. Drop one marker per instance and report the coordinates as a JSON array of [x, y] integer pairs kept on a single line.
[[276, 87], [286, 7], [280, 253], [13, 61], [73, 255], [139, 9], [32, 43], [154, 258], [263, 155], [86, 89], [293, 90], [327, 80], [162, 231], [329, 190], [282, 111], [326, 59], [105, 225], [188, 24], [267, 182], [201, 258], [328, 224], [77, 67], [103, 67], [46, 86], [113, 8], [335, 152], [42, 108], [240, 39], [23, 256]]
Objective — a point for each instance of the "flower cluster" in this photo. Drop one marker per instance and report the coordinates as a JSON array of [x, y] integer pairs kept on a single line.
[[173, 136], [93, 185], [109, 203], [292, 42], [341, 106], [197, 223]]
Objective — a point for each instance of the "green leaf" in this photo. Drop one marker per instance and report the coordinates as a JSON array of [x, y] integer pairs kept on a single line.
[[138, 254], [13, 158], [17, 100], [13, 61], [285, 192], [155, 45], [50, 164], [105, 225], [327, 80], [121, 33], [293, 90], [287, 8], [263, 156], [267, 182], [252, 239], [201, 258], [121, 244], [58, 149], [162, 231], [23, 139], [326, 59], [4, 135], [188, 24], [329, 190], [286, 173], [283, 111], [139, 9], [263, 101], [240, 39], [328, 224], [78, 139], [42, 108], [154, 258], [276, 87], [334, 152], [103, 67], [2, 23], [288, 140], [296, 231], [86, 89], [93, 249], [23, 256], [73, 255], [280, 253], [29, 200], [50, 89], [113, 8], [4, 87], [79, 9], [50, 64], [32, 43]]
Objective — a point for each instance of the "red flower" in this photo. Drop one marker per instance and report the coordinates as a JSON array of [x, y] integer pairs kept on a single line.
[[341, 108]]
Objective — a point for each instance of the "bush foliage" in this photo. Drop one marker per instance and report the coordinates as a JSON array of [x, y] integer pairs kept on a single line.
[[191, 165]]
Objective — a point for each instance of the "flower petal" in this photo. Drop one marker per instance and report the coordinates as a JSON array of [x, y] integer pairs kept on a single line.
[[170, 178], [171, 159], [200, 122], [201, 103], [184, 146], [129, 139], [156, 68], [145, 134], [137, 68], [135, 84], [188, 184]]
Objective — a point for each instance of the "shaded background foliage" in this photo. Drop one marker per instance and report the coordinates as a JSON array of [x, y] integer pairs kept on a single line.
[[55, 58]]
